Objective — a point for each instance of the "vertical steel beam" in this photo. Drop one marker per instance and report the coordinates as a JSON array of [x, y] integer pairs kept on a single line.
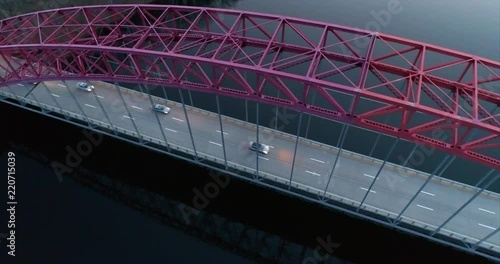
[[295, 151], [115, 131], [189, 126], [378, 138], [486, 238], [425, 183], [221, 131], [378, 173], [340, 144], [190, 97], [246, 110], [128, 112], [375, 145], [17, 97], [55, 101], [309, 119], [277, 110], [157, 118], [257, 159], [77, 103], [484, 178], [469, 201], [409, 156]]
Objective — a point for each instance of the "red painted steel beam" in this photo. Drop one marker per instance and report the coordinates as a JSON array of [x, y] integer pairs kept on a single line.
[[203, 48]]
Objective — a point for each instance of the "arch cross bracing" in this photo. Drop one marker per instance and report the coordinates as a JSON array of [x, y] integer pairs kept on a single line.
[[404, 88]]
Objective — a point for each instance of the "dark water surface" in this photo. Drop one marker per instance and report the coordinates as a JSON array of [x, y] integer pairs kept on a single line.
[[73, 220]]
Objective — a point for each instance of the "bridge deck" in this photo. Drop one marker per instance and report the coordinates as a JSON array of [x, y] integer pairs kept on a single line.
[[351, 179]]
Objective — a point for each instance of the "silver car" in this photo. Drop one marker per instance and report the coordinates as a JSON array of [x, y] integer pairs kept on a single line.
[[261, 148], [161, 108], [85, 86]]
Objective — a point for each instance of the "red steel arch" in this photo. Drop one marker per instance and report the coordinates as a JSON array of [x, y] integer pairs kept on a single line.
[[358, 76]]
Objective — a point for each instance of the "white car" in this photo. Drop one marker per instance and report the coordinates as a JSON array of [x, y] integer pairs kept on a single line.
[[85, 86], [261, 148], [161, 108]]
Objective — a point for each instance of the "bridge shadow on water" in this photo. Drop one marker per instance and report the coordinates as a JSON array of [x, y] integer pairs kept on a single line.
[[258, 224]]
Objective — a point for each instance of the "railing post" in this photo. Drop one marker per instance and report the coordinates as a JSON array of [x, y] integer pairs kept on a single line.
[[187, 121], [295, 151], [378, 173]]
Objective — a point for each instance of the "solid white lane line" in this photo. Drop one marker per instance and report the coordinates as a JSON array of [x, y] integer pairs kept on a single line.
[[320, 161], [90, 105], [492, 228], [100, 96], [136, 107], [171, 130], [55, 95], [367, 175], [313, 173], [421, 206], [177, 119], [367, 190], [20, 84], [263, 158], [128, 117], [218, 131], [428, 193], [486, 210], [215, 143], [61, 85]]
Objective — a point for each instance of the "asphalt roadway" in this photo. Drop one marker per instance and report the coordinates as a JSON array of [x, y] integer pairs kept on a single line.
[[313, 164]]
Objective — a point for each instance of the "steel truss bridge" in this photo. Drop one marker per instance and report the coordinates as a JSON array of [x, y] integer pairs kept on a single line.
[[404, 89]]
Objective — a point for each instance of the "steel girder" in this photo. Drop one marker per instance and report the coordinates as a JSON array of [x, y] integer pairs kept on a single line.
[[424, 93]]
